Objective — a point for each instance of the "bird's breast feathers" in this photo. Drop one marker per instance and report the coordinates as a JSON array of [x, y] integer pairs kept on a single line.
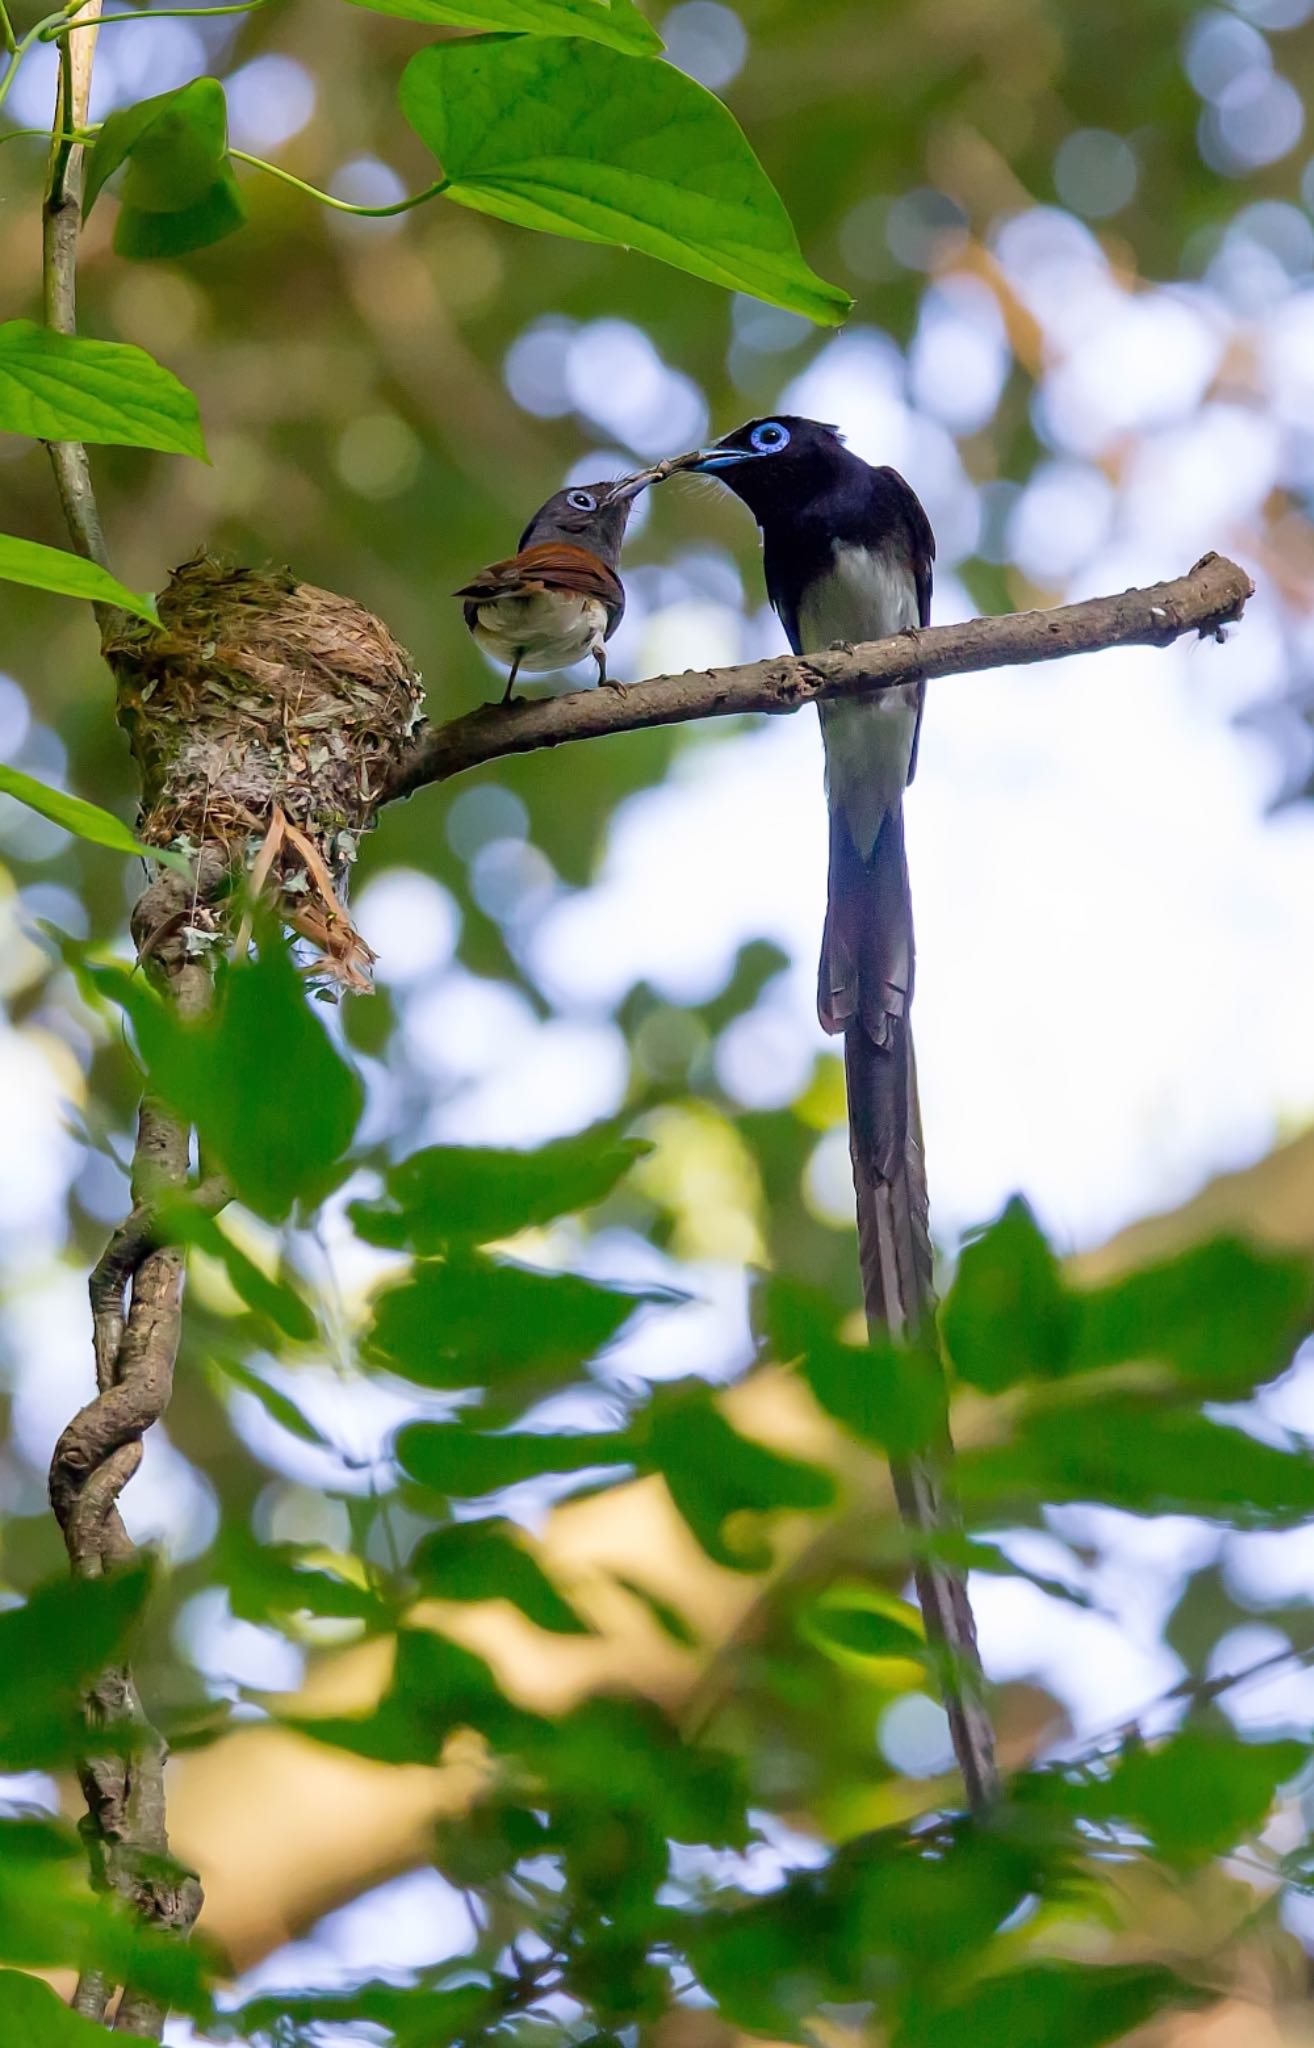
[[547, 607], [544, 628], [866, 594]]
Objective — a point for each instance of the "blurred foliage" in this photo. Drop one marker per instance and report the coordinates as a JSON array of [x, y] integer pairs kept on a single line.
[[757, 1843]]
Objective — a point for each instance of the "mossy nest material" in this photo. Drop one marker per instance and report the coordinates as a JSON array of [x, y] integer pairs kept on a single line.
[[265, 719]]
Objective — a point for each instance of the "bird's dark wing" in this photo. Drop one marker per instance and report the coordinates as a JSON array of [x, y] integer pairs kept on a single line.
[[920, 537], [552, 565], [921, 547]]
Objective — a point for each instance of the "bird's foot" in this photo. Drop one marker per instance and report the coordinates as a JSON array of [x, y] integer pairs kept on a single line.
[[840, 647], [913, 633], [610, 683]]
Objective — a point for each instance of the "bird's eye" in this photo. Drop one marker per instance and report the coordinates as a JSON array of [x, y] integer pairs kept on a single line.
[[770, 437], [583, 501]]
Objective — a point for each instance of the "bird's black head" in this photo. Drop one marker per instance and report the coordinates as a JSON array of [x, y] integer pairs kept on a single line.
[[591, 516], [774, 464]]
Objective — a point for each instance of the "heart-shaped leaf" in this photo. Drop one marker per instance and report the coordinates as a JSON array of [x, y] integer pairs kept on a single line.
[[61, 387], [579, 140], [618, 24], [179, 192]]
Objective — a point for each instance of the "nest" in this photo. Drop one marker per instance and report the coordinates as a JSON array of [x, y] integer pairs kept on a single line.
[[265, 720]]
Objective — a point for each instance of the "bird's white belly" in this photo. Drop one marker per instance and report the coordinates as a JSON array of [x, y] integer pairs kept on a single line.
[[869, 743], [546, 629]]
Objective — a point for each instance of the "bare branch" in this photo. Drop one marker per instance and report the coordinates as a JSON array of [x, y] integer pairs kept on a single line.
[[1210, 597]]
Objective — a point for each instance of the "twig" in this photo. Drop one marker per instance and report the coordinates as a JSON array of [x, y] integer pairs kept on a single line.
[[61, 220], [1210, 597]]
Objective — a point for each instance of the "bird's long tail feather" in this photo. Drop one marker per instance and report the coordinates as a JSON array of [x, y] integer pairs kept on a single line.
[[869, 952]]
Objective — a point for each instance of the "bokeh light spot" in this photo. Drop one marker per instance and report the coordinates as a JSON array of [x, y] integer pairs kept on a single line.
[[1257, 120], [377, 455], [1219, 50], [269, 101], [924, 228], [535, 368], [1095, 173], [706, 40]]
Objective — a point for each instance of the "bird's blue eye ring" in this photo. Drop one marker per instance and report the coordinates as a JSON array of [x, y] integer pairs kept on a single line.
[[769, 438], [583, 501]]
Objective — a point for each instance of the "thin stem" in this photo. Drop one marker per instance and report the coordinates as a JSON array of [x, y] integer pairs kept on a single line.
[[8, 40], [19, 50], [61, 221], [53, 34], [341, 205], [47, 135]]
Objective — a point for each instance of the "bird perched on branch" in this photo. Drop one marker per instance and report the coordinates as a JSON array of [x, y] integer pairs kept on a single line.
[[559, 597], [848, 553]]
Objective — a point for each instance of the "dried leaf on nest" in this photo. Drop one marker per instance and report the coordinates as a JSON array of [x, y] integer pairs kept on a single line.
[[265, 699]]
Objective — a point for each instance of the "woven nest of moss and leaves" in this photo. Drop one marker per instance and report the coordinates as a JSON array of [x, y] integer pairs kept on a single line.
[[265, 718]]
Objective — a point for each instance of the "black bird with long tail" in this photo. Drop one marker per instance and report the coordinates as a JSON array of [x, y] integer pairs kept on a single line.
[[848, 553]]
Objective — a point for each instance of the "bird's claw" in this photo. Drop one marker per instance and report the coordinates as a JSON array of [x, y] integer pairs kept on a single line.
[[841, 647], [610, 683]]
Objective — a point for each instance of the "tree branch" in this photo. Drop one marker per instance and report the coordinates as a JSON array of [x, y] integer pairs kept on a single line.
[[1210, 597], [135, 1343]]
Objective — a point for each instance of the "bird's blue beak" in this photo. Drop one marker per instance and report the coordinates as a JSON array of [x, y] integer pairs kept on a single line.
[[705, 459]]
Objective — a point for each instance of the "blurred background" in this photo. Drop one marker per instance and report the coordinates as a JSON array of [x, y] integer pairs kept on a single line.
[[1081, 243]]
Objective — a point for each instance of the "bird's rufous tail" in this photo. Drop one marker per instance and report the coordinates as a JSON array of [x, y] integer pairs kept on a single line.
[[865, 989]]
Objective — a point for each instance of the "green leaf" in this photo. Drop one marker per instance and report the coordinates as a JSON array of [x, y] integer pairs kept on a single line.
[[627, 1756], [63, 1635], [43, 568], [142, 236], [50, 1919], [1009, 1316], [1160, 1789], [414, 2015], [273, 1581], [436, 1688], [1223, 1315], [1132, 1454], [620, 25], [668, 1618], [32, 2013], [491, 1561], [275, 1404], [1045, 2003], [179, 192], [274, 1103], [765, 1965], [61, 387], [476, 1321], [582, 141], [76, 815], [462, 1464], [891, 1395], [467, 1193], [714, 1474], [864, 1624], [923, 1905], [274, 1297]]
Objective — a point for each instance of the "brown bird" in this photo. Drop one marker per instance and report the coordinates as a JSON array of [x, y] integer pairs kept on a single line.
[[559, 597]]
